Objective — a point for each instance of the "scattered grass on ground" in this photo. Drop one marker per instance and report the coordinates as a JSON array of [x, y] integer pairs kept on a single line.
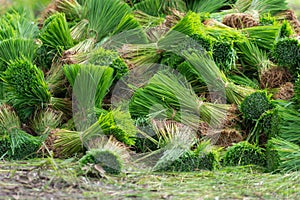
[[49, 178]]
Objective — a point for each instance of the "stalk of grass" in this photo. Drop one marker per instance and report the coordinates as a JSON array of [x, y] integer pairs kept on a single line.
[[147, 20]]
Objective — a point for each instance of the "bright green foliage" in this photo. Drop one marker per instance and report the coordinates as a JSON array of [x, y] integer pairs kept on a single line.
[[288, 154], [104, 16], [90, 82], [15, 143], [204, 157], [170, 96], [118, 124], [244, 153], [14, 48], [204, 41], [45, 121], [267, 19], [209, 6], [263, 36], [287, 52], [109, 58], [56, 33], [286, 29], [224, 55], [15, 25], [22, 145], [160, 7], [289, 125], [25, 87], [192, 162], [108, 160], [255, 105]]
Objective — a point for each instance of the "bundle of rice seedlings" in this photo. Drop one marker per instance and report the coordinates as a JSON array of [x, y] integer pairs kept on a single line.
[[170, 96], [266, 127], [224, 55], [71, 8], [25, 87], [101, 57], [46, 121], [289, 125], [254, 105], [108, 154], [268, 6], [286, 53], [203, 158], [205, 5], [137, 55], [160, 7], [15, 143], [15, 48], [16, 25], [90, 83], [87, 78], [104, 16], [56, 33], [120, 125], [244, 153], [147, 20], [253, 58], [288, 154], [263, 36], [172, 139], [215, 79], [115, 123]]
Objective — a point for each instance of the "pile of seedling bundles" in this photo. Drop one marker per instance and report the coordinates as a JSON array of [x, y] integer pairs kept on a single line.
[[177, 85]]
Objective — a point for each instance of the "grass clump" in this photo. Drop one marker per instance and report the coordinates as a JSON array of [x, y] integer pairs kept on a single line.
[[244, 153], [255, 105]]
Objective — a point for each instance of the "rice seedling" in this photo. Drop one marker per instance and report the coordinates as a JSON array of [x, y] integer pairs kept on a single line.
[[263, 36], [16, 25], [287, 52], [254, 105], [45, 121], [215, 79], [244, 153], [115, 123], [109, 154], [14, 48], [56, 33], [104, 16], [15, 143], [71, 8], [25, 87], [170, 96], [160, 7], [288, 154], [205, 5]]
